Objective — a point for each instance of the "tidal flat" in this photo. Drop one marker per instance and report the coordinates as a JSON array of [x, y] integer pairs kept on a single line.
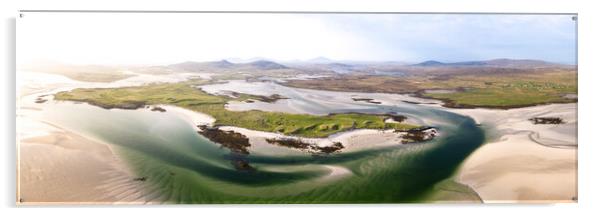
[[181, 166]]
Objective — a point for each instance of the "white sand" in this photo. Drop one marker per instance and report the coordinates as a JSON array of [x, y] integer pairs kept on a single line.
[[509, 121], [195, 118], [63, 167], [529, 163]]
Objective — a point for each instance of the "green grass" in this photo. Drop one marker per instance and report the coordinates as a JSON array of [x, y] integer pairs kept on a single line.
[[184, 95], [498, 91], [483, 90]]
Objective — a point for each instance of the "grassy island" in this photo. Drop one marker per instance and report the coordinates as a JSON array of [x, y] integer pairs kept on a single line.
[[185, 95]]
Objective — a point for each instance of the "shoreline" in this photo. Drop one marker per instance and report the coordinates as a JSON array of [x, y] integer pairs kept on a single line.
[[515, 166]]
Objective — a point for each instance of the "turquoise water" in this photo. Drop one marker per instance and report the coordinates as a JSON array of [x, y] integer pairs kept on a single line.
[[183, 167]]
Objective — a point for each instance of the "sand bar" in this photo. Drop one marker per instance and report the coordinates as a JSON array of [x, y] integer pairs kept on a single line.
[[524, 162]]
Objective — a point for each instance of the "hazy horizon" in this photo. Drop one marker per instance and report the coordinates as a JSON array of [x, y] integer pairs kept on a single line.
[[152, 39]]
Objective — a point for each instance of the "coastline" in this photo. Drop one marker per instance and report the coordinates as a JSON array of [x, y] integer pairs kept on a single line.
[[523, 162], [504, 184]]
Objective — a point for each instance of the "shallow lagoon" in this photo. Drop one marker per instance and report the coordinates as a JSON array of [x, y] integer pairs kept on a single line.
[[184, 167]]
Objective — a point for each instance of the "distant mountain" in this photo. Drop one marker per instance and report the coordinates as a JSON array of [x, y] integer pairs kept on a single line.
[[187, 66], [193, 66], [520, 63], [247, 60], [340, 67], [266, 65], [506, 63], [215, 66], [221, 64], [430, 63]]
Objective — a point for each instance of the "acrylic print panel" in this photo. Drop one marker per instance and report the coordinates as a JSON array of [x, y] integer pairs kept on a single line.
[[210, 108]]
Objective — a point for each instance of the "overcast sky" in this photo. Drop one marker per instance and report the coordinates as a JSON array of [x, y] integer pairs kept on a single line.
[[103, 38]]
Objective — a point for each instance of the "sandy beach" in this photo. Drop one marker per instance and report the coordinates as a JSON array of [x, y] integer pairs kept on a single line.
[[524, 162], [63, 167], [194, 118]]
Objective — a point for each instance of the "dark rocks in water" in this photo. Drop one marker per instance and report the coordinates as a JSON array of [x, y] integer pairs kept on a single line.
[[368, 100], [410, 102], [362, 99], [416, 102], [242, 165], [289, 142], [270, 99], [546, 120], [158, 109], [240, 162], [236, 142], [414, 136], [299, 144], [336, 146], [41, 100], [140, 179], [420, 134]]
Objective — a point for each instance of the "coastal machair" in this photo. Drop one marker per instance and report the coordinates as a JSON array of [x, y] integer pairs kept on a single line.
[[295, 108]]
